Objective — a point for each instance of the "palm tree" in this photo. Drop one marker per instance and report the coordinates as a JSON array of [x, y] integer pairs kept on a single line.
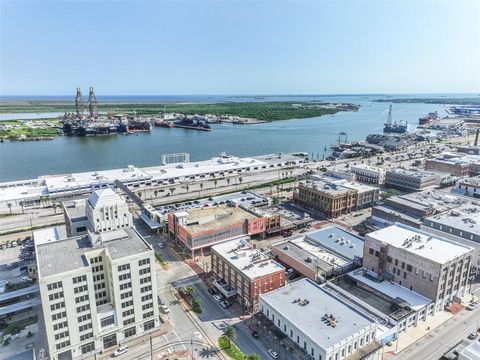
[[172, 190], [228, 181], [54, 207], [201, 188], [189, 290], [187, 187], [215, 182], [155, 192], [10, 207], [139, 194], [230, 334], [240, 179]]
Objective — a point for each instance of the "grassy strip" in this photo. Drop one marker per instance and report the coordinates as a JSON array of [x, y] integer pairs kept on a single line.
[[30, 228], [233, 351], [162, 263]]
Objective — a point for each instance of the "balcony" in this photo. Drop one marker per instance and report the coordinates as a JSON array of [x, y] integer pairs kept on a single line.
[[225, 288]]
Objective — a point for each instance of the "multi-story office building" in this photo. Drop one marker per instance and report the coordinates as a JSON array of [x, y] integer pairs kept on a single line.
[[453, 166], [333, 197], [369, 174], [469, 186], [411, 180], [200, 228], [326, 198], [107, 211], [97, 290], [434, 267], [242, 272], [324, 325]]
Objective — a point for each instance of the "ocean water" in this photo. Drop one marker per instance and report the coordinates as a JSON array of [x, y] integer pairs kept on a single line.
[[27, 160]]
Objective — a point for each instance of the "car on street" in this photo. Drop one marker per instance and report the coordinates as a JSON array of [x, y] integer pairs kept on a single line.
[[161, 245], [212, 291], [164, 308], [273, 353], [217, 298], [473, 336], [120, 351], [472, 306], [255, 334], [226, 304]]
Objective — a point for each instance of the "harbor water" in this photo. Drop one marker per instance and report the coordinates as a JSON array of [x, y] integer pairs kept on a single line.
[[30, 159]]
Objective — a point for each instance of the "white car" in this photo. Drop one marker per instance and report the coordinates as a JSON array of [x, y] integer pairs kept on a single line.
[[161, 245], [217, 298], [472, 306], [120, 351], [164, 308], [273, 353]]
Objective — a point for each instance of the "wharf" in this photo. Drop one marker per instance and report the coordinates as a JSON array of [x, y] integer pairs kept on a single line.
[[191, 127]]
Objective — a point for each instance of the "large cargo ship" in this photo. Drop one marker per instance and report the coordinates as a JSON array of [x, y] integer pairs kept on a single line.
[[192, 123], [393, 126], [428, 119]]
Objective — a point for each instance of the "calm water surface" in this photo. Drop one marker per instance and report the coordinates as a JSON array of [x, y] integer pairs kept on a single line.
[[27, 160]]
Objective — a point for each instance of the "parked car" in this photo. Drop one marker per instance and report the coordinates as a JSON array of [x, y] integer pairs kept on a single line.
[[255, 334], [473, 336], [120, 351], [217, 298], [472, 306], [226, 304], [161, 245], [164, 308], [273, 353], [212, 291]]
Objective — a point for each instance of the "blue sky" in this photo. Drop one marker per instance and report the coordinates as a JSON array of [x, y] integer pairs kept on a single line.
[[242, 47]]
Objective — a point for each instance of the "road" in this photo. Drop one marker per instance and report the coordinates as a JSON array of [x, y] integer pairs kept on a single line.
[[443, 338], [206, 327]]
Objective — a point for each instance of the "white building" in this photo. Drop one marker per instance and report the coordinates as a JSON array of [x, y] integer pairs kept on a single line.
[[97, 290], [106, 211], [322, 324], [369, 174]]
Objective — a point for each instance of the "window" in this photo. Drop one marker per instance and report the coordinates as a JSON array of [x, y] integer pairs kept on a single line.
[[145, 280], [124, 277], [144, 262], [80, 289], [127, 303], [129, 332], [88, 347], [109, 341], [148, 314], [147, 297], [86, 336], [124, 267], [129, 321], [144, 271], [147, 306], [84, 318], [371, 251], [149, 325], [55, 285], [127, 313], [85, 327], [109, 320]]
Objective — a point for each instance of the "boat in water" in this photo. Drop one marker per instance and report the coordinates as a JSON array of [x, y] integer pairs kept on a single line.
[[193, 124], [164, 124], [428, 119], [393, 126]]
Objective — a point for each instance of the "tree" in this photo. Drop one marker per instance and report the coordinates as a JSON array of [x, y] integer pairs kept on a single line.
[[54, 207], [230, 334], [253, 356], [228, 181], [240, 179], [187, 187], [139, 194], [215, 182], [172, 190], [155, 192], [10, 207], [201, 186], [189, 290], [196, 306]]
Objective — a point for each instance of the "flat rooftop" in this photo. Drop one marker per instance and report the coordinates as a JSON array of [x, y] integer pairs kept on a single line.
[[211, 218], [309, 318], [465, 218], [473, 181], [414, 174], [328, 186], [368, 167], [338, 240], [75, 210], [50, 234], [251, 262], [60, 256], [390, 289], [429, 199], [420, 243]]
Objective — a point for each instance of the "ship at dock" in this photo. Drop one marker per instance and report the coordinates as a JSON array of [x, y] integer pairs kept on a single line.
[[428, 119], [193, 123], [92, 125], [394, 127]]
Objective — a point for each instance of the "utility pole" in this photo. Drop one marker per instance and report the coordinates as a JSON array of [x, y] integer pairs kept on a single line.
[[191, 347], [151, 347]]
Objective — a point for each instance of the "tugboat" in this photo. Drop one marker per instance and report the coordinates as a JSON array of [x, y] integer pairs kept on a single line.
[[394, 127]]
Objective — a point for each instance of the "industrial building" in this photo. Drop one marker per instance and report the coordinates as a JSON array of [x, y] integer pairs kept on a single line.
[[243, 273], [322, 324], [408, 180], [449, 163], [321, 254], [58, 188], [369, 174], [431, 266], [200, 228], [97, 290]]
